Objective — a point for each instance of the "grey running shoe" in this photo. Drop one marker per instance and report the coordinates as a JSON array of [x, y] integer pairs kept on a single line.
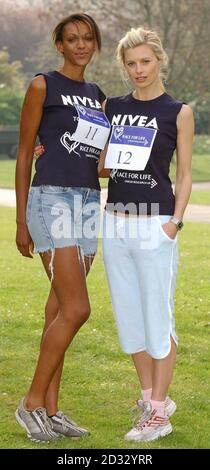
[[36, 423], [63, 425], [170, 406]]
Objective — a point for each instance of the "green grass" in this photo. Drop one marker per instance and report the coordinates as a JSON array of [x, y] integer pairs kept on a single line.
[[99, 384], [200, 170], [7, 172], [201, 144], [104, 182], [197, 196], [200, 197]]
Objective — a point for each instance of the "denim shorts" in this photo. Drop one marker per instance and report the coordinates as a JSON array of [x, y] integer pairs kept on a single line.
[[59, 217]]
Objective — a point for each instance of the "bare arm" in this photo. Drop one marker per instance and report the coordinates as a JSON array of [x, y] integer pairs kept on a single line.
[[103, 172], [183, 184], [29, 124]]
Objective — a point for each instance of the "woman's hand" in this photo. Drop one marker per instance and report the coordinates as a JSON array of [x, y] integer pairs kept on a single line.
[[38, 151], [23, 240], [170, 229]]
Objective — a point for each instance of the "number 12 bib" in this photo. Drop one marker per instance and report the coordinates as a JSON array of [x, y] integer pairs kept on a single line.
[[130, 147]]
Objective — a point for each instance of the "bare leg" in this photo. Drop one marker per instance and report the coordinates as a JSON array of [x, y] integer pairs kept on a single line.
[[163, 373], [155, 373], [88, 262], [71, 291], [143, 364], [51, 312]]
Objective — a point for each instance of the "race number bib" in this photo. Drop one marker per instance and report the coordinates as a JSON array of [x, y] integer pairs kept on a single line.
[[93, 127], [130, 147]]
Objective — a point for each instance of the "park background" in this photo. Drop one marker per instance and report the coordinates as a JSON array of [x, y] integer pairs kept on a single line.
[[99, 386]]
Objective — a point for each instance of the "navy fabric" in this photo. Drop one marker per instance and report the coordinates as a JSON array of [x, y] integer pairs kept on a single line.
[[152, 185], [60, 166]]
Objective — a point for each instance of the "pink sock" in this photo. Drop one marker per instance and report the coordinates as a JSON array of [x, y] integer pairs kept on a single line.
[[146, 394], [159, 406]]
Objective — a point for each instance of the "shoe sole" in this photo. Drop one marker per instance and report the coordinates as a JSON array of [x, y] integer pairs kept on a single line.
[[21, 422], [72, 437], [168, 430], [165, 432]]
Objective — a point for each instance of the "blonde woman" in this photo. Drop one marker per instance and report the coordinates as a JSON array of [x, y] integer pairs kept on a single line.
[[142, 220]]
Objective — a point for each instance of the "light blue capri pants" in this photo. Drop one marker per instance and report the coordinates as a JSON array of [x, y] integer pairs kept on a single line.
[[141, 266]]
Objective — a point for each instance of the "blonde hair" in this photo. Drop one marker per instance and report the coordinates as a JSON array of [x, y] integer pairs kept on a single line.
[[138, 37]]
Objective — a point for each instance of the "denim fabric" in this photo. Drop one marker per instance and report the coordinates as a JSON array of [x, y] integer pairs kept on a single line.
[[59, 217]]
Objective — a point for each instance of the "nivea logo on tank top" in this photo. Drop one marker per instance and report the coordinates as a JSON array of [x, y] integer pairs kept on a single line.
[[137, 120], [71, 100], [152, 184]]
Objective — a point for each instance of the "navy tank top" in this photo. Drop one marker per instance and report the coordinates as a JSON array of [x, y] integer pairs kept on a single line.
[[64, 162], [151, 185]]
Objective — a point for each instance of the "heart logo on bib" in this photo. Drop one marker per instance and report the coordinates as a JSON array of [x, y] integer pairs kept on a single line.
[[82, 110], [118, 132]]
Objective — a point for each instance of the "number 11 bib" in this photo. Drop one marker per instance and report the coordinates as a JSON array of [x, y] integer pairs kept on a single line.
[[93, 127]]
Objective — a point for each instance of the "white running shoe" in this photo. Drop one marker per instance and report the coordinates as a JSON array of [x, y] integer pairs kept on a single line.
[[149, 427]]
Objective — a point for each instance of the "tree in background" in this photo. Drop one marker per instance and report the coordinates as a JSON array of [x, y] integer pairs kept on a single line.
[[11, 88], [183, 27], [22, 29]]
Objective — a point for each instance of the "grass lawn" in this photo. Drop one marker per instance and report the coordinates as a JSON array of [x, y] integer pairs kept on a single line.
[[200, 197], [7, 172], [99, 384], [201, 170]]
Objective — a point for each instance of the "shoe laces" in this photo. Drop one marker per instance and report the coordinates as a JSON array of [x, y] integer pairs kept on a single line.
[[140, 411], [64, 420], [146, 417], [46, 422], [152, 419]]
